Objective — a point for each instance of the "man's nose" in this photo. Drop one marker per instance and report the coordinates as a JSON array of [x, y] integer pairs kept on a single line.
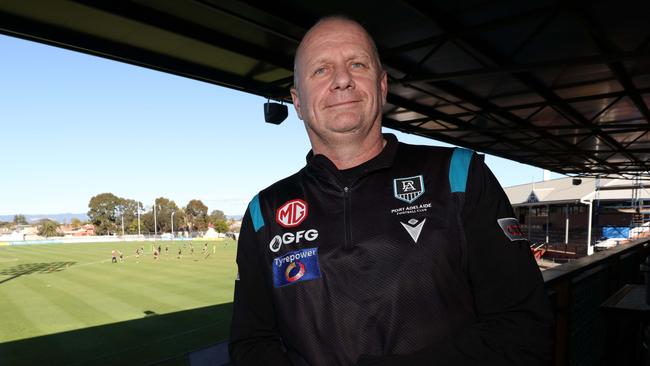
[[342, 79]]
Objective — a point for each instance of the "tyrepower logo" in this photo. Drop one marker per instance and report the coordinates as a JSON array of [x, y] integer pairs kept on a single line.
[[292, 213]]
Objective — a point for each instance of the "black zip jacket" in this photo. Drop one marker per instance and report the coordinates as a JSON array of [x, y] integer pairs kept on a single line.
[[412, 258]]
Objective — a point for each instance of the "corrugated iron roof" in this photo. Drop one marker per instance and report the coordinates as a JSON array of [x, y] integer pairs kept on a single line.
[[562, 190], [563, 85]]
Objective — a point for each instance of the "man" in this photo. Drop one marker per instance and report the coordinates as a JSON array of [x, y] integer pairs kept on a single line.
[[377, 252]]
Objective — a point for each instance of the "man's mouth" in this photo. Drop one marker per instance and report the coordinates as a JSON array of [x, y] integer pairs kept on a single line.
[[341, 104]]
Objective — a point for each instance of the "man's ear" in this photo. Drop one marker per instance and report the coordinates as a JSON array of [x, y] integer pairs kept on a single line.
[[296, 101], [383, 84]]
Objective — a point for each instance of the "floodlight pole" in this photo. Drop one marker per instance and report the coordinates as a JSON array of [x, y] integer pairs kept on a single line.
[[138, 218], [120, 211], [173, 212], [155, 223]]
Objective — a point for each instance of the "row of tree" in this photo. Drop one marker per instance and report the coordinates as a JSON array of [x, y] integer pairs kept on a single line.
[[106, 212], [45, 227], [20, 219], [17, 220]]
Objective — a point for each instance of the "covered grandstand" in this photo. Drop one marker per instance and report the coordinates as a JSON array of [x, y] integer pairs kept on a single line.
[[562, 85]]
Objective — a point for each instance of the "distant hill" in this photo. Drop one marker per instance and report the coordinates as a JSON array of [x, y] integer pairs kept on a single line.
[[67, 217], [60, 218]]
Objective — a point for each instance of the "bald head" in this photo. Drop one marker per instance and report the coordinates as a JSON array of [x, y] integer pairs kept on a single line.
[[324, 26], [339, 91]]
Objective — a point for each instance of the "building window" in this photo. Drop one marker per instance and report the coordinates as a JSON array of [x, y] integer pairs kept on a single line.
[[539, 211], [577, 209]]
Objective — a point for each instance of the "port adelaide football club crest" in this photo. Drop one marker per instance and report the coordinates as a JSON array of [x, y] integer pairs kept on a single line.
[[408, 189]]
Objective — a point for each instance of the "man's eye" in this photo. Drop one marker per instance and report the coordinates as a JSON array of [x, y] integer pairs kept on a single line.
[[319, 71], [357, 65]]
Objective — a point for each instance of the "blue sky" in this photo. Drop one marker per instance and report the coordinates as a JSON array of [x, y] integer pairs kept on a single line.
[[73, 126]]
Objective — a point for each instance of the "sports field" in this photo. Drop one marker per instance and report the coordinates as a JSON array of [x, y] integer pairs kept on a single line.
[[69, 304]]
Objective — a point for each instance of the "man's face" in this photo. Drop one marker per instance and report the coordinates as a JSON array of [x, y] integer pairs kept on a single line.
[[340, 87]]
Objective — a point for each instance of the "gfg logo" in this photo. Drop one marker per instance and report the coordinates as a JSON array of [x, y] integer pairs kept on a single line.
[[292, 213], [290, 238]]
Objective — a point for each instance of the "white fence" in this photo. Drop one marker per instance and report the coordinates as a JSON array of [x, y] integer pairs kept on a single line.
[[95, 239]]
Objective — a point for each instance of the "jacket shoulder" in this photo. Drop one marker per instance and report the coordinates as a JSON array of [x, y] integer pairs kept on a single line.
[[452, 162], [283, 185], [426, 151], [259, 205]]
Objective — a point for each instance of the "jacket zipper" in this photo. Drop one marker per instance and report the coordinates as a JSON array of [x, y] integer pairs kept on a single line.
[[346, 216]]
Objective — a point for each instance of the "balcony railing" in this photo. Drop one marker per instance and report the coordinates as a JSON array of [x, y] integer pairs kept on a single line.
[[576, 289]]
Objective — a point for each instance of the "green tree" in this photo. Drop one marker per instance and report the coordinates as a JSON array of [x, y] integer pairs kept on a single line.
[[20, 220], [218, 220], [216, 216], [164, 209], [129, 208], [75, 223], [221, 226], [147, 222], [196, 215], [103, 214], [132, 227], [48, 228], [179, 220]]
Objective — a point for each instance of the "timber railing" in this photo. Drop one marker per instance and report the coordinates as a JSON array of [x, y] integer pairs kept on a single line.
[[577, 289]]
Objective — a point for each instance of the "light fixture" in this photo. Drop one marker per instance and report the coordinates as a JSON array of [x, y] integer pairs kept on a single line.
[[275, 113]]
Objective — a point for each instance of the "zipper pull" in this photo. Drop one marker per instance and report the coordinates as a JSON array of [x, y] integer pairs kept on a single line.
[[346, 189]]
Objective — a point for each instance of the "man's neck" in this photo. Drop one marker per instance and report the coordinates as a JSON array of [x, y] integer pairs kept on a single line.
[[348, 154]]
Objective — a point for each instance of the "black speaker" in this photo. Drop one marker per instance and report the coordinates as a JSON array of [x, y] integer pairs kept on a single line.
[[275, 113], [576, 181]]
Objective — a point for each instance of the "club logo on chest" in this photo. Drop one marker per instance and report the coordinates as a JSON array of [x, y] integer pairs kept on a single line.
[[408, 189]]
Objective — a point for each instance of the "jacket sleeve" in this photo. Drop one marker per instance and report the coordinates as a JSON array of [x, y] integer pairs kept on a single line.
[[514, 321], [254, 337]]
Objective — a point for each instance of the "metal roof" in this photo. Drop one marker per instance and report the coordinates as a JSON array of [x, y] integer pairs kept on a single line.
[[563, 190], [563, 85]]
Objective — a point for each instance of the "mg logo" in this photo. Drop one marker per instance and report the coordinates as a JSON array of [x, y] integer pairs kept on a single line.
[[292, 213]]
